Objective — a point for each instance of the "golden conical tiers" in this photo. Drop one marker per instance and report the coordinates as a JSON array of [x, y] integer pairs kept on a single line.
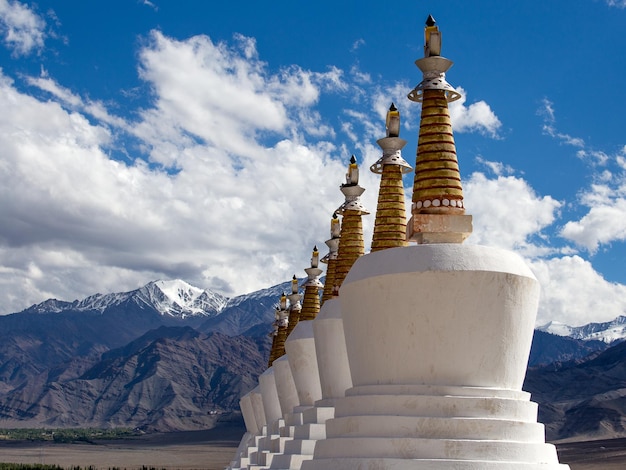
[[311, 303], [281, 336], [273, 351], [351, 246], [390, 223], [330, 279], [437, 185], [294, 318]]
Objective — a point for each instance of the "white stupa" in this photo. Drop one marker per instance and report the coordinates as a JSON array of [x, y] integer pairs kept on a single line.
[[436, 335]]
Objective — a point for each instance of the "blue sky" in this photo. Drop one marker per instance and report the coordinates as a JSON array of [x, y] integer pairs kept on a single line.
[[206, 141]]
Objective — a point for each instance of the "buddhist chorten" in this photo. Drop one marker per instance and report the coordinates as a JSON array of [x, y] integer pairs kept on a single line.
[[390, 223], [331, 258], [438, 208], [351, 245], [294, 305], [280, 330], [311, 302]]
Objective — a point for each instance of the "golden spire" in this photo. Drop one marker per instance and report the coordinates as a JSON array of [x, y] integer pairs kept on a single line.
[[311, 301], [351, 244], [438, 208], [331, 258], [294, 305], [280, 330], [390, 223]]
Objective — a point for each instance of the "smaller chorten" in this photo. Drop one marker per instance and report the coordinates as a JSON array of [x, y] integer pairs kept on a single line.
[[351, 244], [294, 305], [311, 301], [331, 257], [390, 223], [274, 335], [280, 328], [438, 210]]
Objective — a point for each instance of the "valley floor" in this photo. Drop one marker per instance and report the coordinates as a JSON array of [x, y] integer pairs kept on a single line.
[[594, 455], [210, 450], [213, 450]]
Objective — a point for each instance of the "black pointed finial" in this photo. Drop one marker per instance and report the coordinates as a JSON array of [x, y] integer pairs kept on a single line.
[[430, 21], [294, 277], [392, 107], [335, 215], [315, 248], [353, 159]]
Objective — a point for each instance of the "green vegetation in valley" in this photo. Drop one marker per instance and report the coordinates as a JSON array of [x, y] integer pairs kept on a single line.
[[65, 435]]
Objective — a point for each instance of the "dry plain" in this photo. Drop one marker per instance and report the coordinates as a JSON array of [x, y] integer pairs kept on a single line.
[[213, 450]]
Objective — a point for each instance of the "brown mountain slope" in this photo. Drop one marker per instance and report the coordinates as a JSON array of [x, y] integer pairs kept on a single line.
[[173, 378]]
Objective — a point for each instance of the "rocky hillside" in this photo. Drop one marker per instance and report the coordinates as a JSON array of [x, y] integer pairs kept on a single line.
[[584, 398], [171, 378]]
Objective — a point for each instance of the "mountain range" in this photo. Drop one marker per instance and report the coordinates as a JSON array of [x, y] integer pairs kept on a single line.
[[170, 356]]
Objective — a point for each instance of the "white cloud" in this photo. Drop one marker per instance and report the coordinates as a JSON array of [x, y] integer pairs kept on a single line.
[[477, 116], [23, 30], [604, 222], [549, 120], [244, 198], [357, 44], [616, 3], [72, 101], [497, 168], [574, 293], [508, 213]]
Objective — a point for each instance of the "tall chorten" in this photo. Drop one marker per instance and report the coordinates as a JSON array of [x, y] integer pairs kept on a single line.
[[438, 210], [311, 301], [390, 223], [280, 330], [294, 306], [331, 258], [351, 244]]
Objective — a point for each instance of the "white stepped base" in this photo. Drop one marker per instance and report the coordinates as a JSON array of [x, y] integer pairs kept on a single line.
[[416, 448], [310, 431], [423, 464], [278, 444], [318, 414], [436, 428], [289, 461], [300, 446], [416, 426]]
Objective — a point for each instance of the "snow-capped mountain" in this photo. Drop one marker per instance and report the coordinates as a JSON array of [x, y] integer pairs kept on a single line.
[[175, 298], [607, 332]]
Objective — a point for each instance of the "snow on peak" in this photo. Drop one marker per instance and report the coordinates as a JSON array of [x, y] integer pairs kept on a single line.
[[614, 330], [556, 328], [180, 299], [175, 298]]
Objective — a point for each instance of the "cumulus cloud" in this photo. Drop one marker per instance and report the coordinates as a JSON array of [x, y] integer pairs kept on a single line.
[[22, 29], [605, 220], [230, 193], [477, 117], [576, 294], [508, 213], [605, 198]]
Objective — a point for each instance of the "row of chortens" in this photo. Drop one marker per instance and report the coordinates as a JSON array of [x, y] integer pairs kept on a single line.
[[416, 354]]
